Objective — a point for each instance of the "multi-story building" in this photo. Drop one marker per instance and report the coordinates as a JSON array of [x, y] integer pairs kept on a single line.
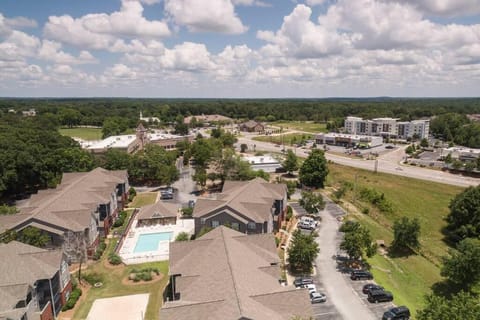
[[254, 206], [76, 213], [35, 283], [388, 127], [227, 275]]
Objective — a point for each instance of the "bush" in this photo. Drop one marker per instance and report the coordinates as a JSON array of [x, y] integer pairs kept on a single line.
[[187, 212], [131, 193], [277, 241], [92, 278], [100, 250], [121, 219], [182, 236], [289, 213], [114, 259], [72, 299], [365, 210]]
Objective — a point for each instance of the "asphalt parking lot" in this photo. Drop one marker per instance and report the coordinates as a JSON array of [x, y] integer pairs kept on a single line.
[[325, 310]]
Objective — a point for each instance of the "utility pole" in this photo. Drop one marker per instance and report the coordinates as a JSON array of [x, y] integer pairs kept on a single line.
[[376, 166], [355, 188]]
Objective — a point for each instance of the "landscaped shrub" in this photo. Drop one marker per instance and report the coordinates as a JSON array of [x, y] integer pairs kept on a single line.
[[100, 250], [114, 259], [277, 241], [93, 278], [289, 213], [144, 274], [121, 219], [131, 193], [72, 299]]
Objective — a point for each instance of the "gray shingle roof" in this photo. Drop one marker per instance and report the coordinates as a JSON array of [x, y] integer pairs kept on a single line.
[[229, 275], [253, 199]]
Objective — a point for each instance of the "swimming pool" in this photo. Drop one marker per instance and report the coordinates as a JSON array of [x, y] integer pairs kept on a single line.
[[150, 241]]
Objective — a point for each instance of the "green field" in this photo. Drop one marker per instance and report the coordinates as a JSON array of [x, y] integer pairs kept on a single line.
[[409, 278], [288, 139], [143, 199], [82, 133], [113, 286], [307, 126]]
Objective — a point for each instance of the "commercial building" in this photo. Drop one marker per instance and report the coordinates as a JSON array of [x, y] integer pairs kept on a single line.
[[227, 275], [348, 140], [254, 206], [208, 119], [127, 143], [388, 127], [252, 126], [34, 283], [461, 153], [167, 140], [266, 163], [76, 213]]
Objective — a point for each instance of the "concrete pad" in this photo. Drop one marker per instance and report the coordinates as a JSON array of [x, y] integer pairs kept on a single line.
[[131, 307]]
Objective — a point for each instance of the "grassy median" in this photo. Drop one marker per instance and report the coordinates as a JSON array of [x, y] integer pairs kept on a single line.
[[410, 278]]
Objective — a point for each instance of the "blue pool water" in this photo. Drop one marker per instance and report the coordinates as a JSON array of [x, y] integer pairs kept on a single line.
[[149, 242]]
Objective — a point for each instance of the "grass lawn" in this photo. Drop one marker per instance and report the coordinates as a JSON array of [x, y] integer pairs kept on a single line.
[[307, 126], [82, 133], [409, 278], [143, 199], [288, 139], [113, 286]]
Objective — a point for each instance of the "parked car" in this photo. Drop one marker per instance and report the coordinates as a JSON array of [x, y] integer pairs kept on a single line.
[[317, 297], [376, 296], [397, 313], [305, 225], [361, 275], [371, 286], [311, 287], [302, 281]]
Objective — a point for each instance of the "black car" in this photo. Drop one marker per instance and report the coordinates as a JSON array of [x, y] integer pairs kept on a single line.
[[298, 282], [361, 275], [371, 286], [375, 296], [397, 313]]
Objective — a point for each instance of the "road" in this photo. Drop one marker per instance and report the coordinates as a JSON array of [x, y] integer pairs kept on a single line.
[[388, 163], [336, 286]]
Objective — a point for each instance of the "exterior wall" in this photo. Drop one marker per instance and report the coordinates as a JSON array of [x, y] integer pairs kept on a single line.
[[47, 312], [387, 127], [65, 294], [224, 218], [156, 221], [74, 245]]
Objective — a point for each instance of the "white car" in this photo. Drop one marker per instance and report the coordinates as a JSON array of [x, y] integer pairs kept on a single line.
[[311, 288]]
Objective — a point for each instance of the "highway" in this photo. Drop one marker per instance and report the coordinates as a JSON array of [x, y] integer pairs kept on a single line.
[[387, 163]]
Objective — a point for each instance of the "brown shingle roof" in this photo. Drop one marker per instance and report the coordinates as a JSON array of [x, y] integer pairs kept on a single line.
[[70, 205], [253, 199], [158, 210], [22, 265], [229, 275]]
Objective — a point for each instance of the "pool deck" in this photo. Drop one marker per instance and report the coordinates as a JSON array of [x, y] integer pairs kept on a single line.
[[162, 253], [131, 307]]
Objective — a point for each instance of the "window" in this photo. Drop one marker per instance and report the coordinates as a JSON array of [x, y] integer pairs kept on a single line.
[[215, 223], [251, 226], [235, 226], [202, 220]]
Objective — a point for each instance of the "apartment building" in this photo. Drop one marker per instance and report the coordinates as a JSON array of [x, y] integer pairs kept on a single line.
[[75, 214], [388, 127], [35, 283]]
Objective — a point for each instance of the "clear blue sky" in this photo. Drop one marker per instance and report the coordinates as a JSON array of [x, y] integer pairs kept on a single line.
[[239, 48]]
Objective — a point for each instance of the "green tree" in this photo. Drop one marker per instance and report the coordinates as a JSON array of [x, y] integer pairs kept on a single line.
[[116, 160], [33, 236], [181, 127], [462, 267], [463, 220], [7, 210], [462, 306], [69, 117], [314, 169], [357, 241], [410, 149], [312, 202], [154, 166], [200, 176], [406, 233], [182, 236], [302, 252], [113, 126], [187, 212], [291, 162], [424, 143]]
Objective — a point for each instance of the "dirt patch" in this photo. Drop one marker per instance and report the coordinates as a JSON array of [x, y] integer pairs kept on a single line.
[[155, 278]]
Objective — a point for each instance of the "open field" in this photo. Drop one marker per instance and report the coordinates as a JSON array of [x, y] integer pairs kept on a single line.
[[82, 133], [143, 199], [112, 285], [288, 139], [411, 277], [307, 126]]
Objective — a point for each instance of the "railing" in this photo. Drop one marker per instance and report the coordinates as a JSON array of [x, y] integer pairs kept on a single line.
[[125, 231]]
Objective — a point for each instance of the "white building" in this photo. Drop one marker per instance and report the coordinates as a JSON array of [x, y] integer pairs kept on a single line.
[[388, 127], [348, 140], [149, 119], [128, 143], [266, 163], [461, 153]]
